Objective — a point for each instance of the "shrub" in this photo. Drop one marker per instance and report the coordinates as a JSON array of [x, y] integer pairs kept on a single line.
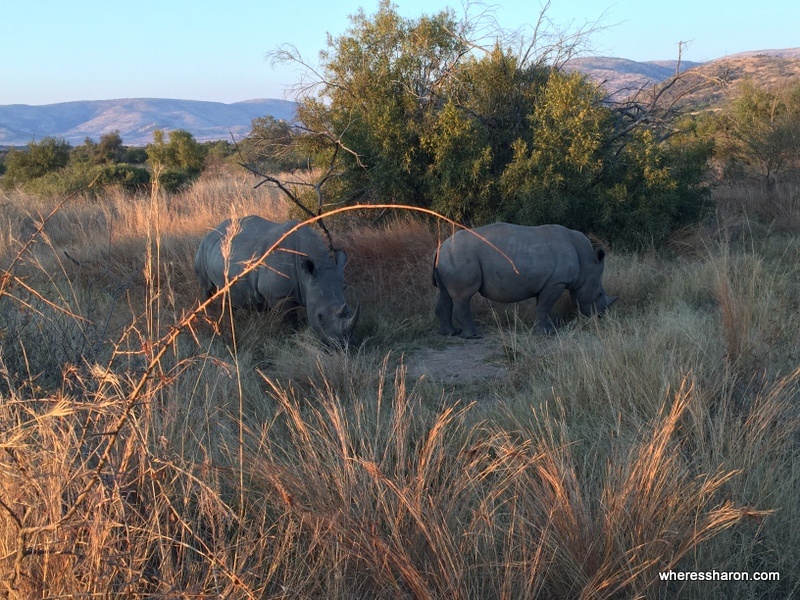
[[178, 162], [173, 181], [37, 160], [128, 176], [502, 136], [63, 181], [135, 156]]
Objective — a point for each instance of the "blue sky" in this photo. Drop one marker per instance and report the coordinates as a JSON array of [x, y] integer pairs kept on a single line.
[[57, 51]]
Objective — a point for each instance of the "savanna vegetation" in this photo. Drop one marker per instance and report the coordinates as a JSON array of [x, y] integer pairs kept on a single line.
[[149, 453], [151, 447], [52, 167], [409, 110]]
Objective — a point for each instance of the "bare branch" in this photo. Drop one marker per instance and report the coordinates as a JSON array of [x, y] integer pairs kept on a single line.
[[284, 187]]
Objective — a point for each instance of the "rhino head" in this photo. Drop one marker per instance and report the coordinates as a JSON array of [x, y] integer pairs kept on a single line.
[[321, 283], [590, 297]]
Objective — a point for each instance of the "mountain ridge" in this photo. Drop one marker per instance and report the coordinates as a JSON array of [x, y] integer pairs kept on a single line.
[[137, 118], [622, 77]]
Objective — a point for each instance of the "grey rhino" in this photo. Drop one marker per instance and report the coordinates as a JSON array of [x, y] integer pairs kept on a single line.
[[511, 263], [300, 270]]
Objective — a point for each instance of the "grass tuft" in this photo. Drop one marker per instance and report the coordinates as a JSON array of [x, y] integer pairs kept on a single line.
[[153, 447]]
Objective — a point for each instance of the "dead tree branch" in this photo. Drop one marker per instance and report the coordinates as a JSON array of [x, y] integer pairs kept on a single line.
[[284, 186]]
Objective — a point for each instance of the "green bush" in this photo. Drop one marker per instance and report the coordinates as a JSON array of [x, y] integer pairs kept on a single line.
[[415, 118], [757, 133], [135, 156], [128, 176], [270, 147], [173, 181], [178, 161], [61, 182], [79, 176], [181, 153], [37, 160], [652, 191]]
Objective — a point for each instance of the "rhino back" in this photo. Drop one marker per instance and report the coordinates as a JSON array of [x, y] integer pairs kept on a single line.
[[253, 236], [279, 278], [283, 276], [513, 262]]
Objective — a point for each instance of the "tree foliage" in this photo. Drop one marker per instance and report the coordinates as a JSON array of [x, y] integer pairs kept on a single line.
[[271, 146], [176, 161], [415, 111], [52, 167], [379, 92], [758, 133], [38, 159]]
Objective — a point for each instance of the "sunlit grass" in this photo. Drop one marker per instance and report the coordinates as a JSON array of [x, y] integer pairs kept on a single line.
[[150, 451]]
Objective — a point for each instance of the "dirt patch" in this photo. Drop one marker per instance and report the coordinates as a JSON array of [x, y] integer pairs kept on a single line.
[[460, 361]]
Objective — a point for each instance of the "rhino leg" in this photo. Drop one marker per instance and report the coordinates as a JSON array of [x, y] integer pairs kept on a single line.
[[207, 287], [463, 314], [544, 304], [444, 310]]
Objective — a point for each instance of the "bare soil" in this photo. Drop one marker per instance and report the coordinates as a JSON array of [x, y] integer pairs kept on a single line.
[[460, 361]]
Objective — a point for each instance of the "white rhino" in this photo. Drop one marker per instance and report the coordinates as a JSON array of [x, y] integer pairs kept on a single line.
[[299, 271], [511, 263]]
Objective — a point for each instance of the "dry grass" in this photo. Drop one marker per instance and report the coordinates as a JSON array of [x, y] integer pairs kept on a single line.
[[389, 272], [144, 455]]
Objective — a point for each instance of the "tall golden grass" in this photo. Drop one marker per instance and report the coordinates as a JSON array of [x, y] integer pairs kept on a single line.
[[144, 455]]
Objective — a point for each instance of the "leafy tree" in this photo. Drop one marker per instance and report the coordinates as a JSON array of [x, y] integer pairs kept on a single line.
[[83, 154], [188, 154], [474, 136], [135, 156], [181, 152], [158, 153], [109, 149], [759, 132], [271, 147], [38, 159], [412, 110], [560, 157], [378, 91], [177, 161], [652, 189], [219, 149]]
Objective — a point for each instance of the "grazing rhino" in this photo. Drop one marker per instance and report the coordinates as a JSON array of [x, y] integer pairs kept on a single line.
[[300, 270], [511, 263]]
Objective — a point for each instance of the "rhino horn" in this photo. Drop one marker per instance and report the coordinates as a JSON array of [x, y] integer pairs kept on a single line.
[[350, 323]]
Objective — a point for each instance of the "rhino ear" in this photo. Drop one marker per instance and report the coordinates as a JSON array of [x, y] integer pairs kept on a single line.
[[599, 253], [340, 258]]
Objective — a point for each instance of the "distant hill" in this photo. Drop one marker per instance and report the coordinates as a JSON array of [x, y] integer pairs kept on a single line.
[[706, 86], [135, 119], [622, 77], [703, 84]]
